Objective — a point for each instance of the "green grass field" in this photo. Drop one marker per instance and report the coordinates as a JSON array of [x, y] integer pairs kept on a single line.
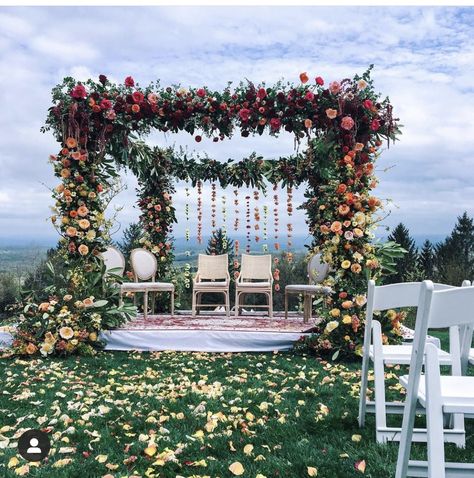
[[193, 415]]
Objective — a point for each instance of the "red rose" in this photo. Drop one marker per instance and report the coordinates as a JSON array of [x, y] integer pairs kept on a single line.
[[103, 79], [129, 81], [198, 138], [309, 95], [275, 124], [319, 81], [79, 92], [106, 104], [201, 92], [375, 125], [138, 96], [261, 93], [368, 104], [244, 114]]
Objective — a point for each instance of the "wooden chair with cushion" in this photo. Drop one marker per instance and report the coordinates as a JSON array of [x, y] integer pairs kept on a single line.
[[317, 272], [144, 266], [255, 278], [212, 277]]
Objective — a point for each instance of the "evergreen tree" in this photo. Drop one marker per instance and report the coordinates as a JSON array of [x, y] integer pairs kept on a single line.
[[426, 261], [131, 238], [219, 243], [406, 265], [455, 255]]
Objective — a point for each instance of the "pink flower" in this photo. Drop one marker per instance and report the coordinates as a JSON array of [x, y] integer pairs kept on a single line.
[[201, 92], [375, 125], [275, 124], [244, 114], [368, 104], [309, 95], [319, 81], [347, 123], [129, 81], [79, 92], [106, 104], [261, 93], [335, 87], [152, 98], [330, 113], [138, 96], [111, 115]]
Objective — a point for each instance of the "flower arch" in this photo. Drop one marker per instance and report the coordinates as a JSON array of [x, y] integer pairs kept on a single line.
[[100, 125]]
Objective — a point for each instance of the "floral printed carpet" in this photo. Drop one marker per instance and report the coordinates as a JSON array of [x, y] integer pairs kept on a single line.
[[211, 322]]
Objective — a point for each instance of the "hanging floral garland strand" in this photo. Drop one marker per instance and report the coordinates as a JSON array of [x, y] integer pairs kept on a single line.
[[187, 266], [224, 222], [248, 226], [289, 226], [236, 210], [256, 215], [265, 228], [213, 207], [199, 211], [275, 217]]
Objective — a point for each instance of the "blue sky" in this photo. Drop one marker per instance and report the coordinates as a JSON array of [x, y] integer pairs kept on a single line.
[[424, 61]]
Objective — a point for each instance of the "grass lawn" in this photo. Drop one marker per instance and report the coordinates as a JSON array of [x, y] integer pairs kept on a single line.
[[193, 415]]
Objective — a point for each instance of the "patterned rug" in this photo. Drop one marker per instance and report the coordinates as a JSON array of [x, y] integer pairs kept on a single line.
[[218, 322]]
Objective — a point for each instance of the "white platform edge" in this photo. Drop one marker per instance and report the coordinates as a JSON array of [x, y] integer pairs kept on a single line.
[[199, 340]]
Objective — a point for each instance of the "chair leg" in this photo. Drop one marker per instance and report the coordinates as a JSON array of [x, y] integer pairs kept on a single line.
[[172, 302], [270, 304], [237, 302], [145, 305], [153, 297], [380, 410], [227, 303], [363, 388], [193, 306], [286, 305]]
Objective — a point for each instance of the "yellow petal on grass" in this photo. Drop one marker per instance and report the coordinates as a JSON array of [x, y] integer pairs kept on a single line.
[[248, 449], [150, 450], [231, 446], [356, 438], [63, 462], [312, 471], [360, 466], [22, 470], [236, 468], [260, 476], [101, 458], [13, 462]]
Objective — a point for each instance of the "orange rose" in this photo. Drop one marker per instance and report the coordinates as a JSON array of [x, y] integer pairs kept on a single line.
[[59, 189], [341, 189], [135, 108], [83, 250], [308, 123], [84, 224], [82, 211], [73, 214], [76, 155], [343, 209], [356, 268], [65, 173], [71, 231], [31, 349], [324, 229], [330, 113], [336, 226], [64, 151], [44, 306], [304, 77], [347, 304], [71, 142]]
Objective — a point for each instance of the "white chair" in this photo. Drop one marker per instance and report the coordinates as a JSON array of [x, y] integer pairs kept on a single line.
[[114, 261], [255, 278], [212, 277], [144, 266], [317, 272], [380, 298], [439, 395]]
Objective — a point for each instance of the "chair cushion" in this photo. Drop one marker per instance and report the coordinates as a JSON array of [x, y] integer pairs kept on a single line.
[[471, 356], [401, 354], [457, 393], [312, 289], [142, 286], [211, 285], [253, 285]]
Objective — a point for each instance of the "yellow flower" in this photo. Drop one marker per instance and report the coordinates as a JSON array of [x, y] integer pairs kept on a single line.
[[346, 264], [347, 320], [46, 348], [334, 324], [66, 333], [391, 314], [335, 313], [67, 297], [358, 232], [92, 336], [90, 236], [360, 300], [359, 218], [49, 338]]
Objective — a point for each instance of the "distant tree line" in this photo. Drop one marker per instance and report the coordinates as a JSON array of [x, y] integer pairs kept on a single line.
[[449, 261]]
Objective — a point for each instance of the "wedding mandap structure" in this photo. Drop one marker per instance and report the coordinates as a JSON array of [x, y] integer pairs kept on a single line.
[[101, 127]]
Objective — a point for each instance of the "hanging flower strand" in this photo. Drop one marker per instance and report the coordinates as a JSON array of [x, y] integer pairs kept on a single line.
[[275, 217], [236, 210], [256, 215], [224, 222], [187, 266], [248, 226], [213, 206], [199, 212], [289, 226], [265, 228]]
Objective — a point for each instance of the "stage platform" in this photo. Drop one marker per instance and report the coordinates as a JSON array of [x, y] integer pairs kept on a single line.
[[208, 333]]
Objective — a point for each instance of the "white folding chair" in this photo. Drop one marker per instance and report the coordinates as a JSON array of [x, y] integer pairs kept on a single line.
[[380, 298], [144, 267], [212, 276], [439, 395]]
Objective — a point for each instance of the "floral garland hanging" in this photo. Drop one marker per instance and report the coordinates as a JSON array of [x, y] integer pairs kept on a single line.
[[187, 265], [213, 207], [276, 218], [256, 215], [248, 227], [265, 228], [289, 225], [225, 242], [199, 212], [236, 210]]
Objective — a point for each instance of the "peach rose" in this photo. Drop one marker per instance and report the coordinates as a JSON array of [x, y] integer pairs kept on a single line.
[[65, 173], [358, 147], [44, 306], [347, 304], [84, 224], [347, 123], [358, 232], [66, 333], [88, 301], [71, 231], [336, 226], [67, 297], [82, 211], [31, 349], [83, 250], [343, 209], [71, 142], [308, 123], [330, 113], [356, 268]]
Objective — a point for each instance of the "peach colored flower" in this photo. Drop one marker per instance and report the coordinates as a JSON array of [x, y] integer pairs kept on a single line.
[[65, 173], [82, 211], [304, 77], [152, 98], [362, 84], [44, 306], [67, 297], [347, 123], [336, 226], [84, 224], [334, 87], [308, 123], [135, 108], [71, 231], [343, 209], [66, 333], [358, 147], [83, 250], [347, 304], [31, 349], [71, 142], [358, 232], [330, 113], [356, 268], [76, 155], [88, 301]]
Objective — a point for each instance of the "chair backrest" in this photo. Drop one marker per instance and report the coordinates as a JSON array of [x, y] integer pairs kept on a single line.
[[255, 267], [144, 264], [213, 267], [317, 269], [113, 260]]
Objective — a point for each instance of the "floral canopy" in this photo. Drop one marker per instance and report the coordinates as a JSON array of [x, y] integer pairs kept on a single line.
[[100, 127]]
